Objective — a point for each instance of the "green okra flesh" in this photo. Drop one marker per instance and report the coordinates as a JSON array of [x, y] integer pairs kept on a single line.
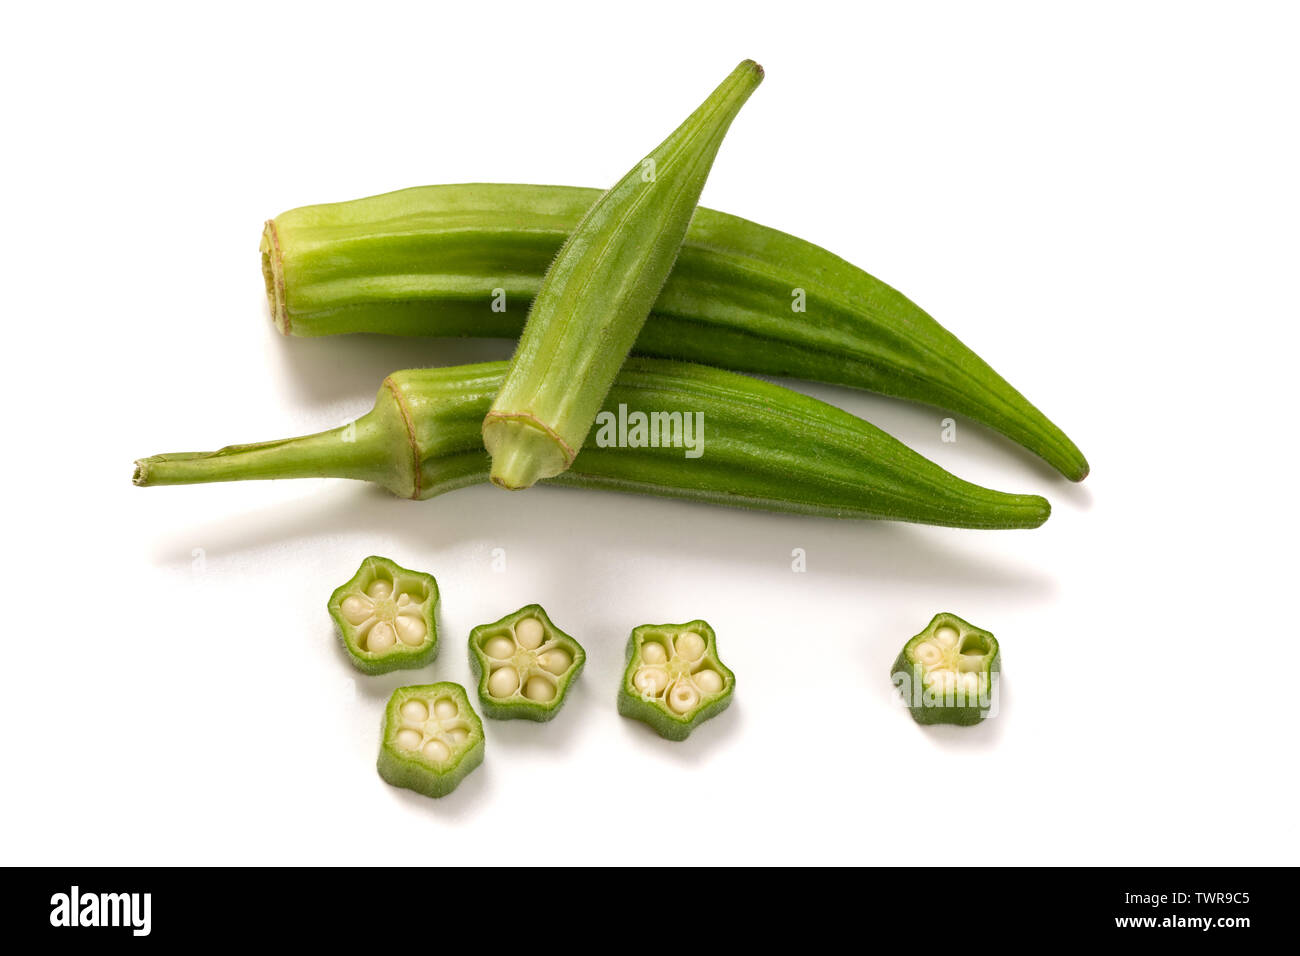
[[431, 738], [386, 616], [761, 446], [674, 680], [525, 665], [948, 673], [597, 293], [467, 260]]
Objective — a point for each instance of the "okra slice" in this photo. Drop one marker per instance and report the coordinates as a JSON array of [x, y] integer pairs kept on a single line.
[[525, 665], [948, 673], [385, 616], [674, 680], [431, 740]]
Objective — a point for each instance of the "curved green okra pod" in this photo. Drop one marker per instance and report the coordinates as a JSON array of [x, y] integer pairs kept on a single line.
[[948, 673], [467, 259], [759, 446], [674, 680], [596, 296], [386, 616], [524, 664], [431, 738]]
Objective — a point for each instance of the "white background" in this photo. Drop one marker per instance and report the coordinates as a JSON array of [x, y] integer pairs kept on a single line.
[[1101, 199]]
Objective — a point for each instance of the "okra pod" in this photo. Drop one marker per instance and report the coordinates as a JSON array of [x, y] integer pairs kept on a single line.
[[462, 260], [948, 673], [385, 615], [525, 665], [597, 293], [674, 680], [759, 446], [431, 738]]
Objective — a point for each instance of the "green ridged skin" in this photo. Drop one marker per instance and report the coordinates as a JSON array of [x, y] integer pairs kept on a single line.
[[971, 654], [596, 295], [427, 261], [557, 661], [422, 606], [404, 766], [765, 447], [650, 688]]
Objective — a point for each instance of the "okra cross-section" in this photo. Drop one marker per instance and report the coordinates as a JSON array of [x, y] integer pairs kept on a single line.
[[431, 740], [948, 673], [674, 680], [525, 665], [385, 616]]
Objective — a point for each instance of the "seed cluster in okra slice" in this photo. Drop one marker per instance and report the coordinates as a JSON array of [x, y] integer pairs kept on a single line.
[[525, 665], [674, 679], [431, 738], [386, 616], [948, 672]]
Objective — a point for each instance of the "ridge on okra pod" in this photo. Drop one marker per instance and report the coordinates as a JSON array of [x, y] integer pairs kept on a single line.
[[763, 447], [597, 293], [468, 259]]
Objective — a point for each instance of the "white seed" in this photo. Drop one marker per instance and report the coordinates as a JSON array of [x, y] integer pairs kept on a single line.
[[458, 736], [436, 750], [411, 629], [415, 711], [928, 654], [708, 681], [539, 688], [946, 636], [556, 661], [690, 645], [408, 740], [380, 638], [356, 608], [652, 652], [499, 648], [445, 708], [682, 697], [404, 599], [503, 682], [379, 590], [650, 680], [530, 633]]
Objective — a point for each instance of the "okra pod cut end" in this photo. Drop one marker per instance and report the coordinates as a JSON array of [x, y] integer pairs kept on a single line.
[[273, 276], [524, 450], [948, 673], [525, 665], [674, 680], [431, 738], [386, 616]]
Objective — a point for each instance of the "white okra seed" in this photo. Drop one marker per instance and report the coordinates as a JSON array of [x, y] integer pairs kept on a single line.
[[690, 645], [445, 708], [682, 697], [946, 636], [499, 648], [379, 590], [530, 633], [356, 608], [503, 682], [380, 638], [415, 711], [458, 735], [556, 661], [410, 629], [436, 750], [708, 681], [408, 739], [928, 654], [650, 680], [539, 688], [652, 652]]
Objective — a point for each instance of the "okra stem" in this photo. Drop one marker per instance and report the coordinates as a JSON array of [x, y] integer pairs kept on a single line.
[[764, 447], [597, 293]]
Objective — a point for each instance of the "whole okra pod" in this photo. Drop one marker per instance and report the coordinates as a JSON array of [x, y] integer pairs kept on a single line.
[[596, 296], [757, 445], [466, 260]]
